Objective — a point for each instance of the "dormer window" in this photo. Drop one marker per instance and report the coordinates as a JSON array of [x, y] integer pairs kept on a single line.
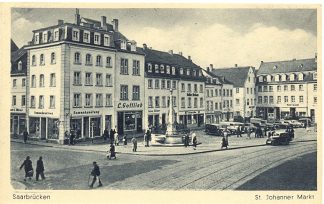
[[274, 67], [156, 68], [36, 38], [149, 67], [284, 77], [181, 71], [292, 77], [75, 35], [260, 78], [86, 36], [269, 78], [168, 71], [173, 71], [188, 72], [45, 37], [194, 72], [300, 76], [19, 65], [97, 38], [277, 78], [123, 44], [106, 40], [56, 34], [162, 68]]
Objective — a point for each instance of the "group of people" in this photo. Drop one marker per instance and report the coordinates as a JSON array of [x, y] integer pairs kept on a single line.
[[29, 171], [193, 140]]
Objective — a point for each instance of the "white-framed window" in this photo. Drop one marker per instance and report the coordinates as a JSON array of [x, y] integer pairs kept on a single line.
[[33, 61], [286, 99], [136, 67], [183, 87], [52, 101], [293, 99], [88, 59], [88, 100], [156, 68], [45, 37], [292, 88], [301, 99], [56, 34], [53, 58], [77, 100], [77, 58], [108, 62], [285, 87], [42, 59], [75, 34], [136, 93], [260, 78], [269, 78], [23, 100], [108, 100], [183, 102], [36, 38], [106, 40], [163, 84], [99, 61], [278, 99], [108, 80], [168, 84], [99, 100], [174, 85], [98, 79], [292, 77], [301, 87], [41, 102], [19, 66], [149, 84], [32, 102], [168, 69], [157, 101], [97, 38], [149, 67], [150, 101], [163, 101], [195, 102], [41, 80], [300, 77], [157, 84], [123, 44], [173, 71], [123, 66], [23, 82], [52, 80], [188, 72], [123, 92], [271, 99], [14, 83], [88, 78], [188, 87], [86, 36], [278, 88], [181, 71], [315, 100], [77, 78], [162, 69], [33, 81], [315, 76], [14, 100]]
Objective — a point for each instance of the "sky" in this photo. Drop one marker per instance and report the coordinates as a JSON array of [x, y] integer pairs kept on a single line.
[[222, 37]]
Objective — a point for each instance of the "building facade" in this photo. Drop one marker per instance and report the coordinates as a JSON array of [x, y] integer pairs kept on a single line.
[[287, 89]]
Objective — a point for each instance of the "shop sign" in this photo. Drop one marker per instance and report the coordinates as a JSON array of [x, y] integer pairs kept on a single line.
[[43, 113], [86, 112], [192, 94], [190, 112], [129, 105], [290, 104], [154, 111], [16, 110]]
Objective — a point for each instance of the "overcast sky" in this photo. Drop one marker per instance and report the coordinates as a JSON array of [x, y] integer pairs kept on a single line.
[[222, 37]]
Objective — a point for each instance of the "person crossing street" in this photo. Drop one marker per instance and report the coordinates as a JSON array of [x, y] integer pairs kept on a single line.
[[96, 174]]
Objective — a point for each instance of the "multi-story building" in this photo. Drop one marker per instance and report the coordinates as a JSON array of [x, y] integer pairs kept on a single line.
[[75, 71], [18, 89], [287, 89], [166, 72], [243, 80]]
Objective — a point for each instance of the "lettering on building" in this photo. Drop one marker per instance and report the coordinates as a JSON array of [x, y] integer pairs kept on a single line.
[[130, 105]]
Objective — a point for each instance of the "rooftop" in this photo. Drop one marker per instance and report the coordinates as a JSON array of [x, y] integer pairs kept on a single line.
[[235, 75]]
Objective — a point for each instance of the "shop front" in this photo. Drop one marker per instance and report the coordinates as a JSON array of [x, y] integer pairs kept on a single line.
[[192, 118], [44, 128], [17, 123], [129, 122]]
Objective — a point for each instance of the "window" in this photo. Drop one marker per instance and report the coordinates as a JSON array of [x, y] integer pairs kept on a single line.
[[231, 92], [23, 82], [156, 68], [41, 102], [216, 106], [19, 65], [174, 100], [56, 35], [201, 102], [260, 89], [157, 101], [314, 87], [77, 100], [14, 83], [33, 81], [181, 71], [293, 99], [231, 103], [106, 40], [149, 84], [278, 88], [195, 88], [188, 72], [77, 78], [53, 59], [162, 84], [270, 99], [237, 101], [211, 93], [77, 58], [300, 76], [136, 93], [88, 78], [227, 92], [201, 88], [285, 87], [86, 37], [162, 69], [315, 100], [174, 85], [265, 88], [315, 76], [14, 100], [108, 62], [265, 99], [23, 100], [108, 100], [163, 101], [33, 60], [277, 78], [211, 106], [108, 80], [123, 92], [270, 88], [286, 99], [216, 92], [150, 101], [98, 79], [136, 67], [36, 38], [99, 100], [168, 70], [149, 67], [301, 99], [157, 83], [247, 102], [292, 87], [32, 102], [259, 99], [188, 87], [269, 78], [183, 102], [52, 101], [173, 71], [301, 87], [88, 100], [224, 92], [52, 80], [283, 77], [75, 35], [97, 39], [183, 89], [123, 44], [189, 102], [292, 77], [42, 59], [168, 84], [88, 59], [41, 80], [98, 61], [207, 93], [260, 78], [123, 66], [278, 99], [247, 90]]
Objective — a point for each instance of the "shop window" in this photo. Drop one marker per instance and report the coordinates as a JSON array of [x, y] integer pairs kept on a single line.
[[130, 121]]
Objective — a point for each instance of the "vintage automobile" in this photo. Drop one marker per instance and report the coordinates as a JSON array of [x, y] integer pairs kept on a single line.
[[214, 129], [306, 121], [279, 137]]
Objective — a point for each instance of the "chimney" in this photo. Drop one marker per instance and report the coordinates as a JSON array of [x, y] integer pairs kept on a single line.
[[60, 22], [170, 52], [115, 24], [211, 66], [77, 17], [145, 46], [261, 62], [103, 21], [208, 70], [235, 65], [189, 57], [180, 53]]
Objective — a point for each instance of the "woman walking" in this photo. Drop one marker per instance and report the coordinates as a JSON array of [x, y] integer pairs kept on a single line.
[[28, 166]]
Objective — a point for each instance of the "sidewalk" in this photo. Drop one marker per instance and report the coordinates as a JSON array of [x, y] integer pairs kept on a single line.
[[208, 144]]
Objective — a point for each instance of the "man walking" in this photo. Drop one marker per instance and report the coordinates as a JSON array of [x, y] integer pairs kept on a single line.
[[238, 132], [111, 136], [28, 166], [40, 169], [95, 173], [134, 141], [148, 138], [25, 134]]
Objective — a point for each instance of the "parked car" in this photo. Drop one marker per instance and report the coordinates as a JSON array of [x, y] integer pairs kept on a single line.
[[296, 124], [213, 129], [306, 121], [279, 137]]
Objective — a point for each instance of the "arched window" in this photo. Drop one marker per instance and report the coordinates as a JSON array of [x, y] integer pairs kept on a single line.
[[98, 61], [173, 71], [42, 59], [149, 67], [53, 58], [162, 68], [269, 78], [156, 68], [277, 78], [260, 78], [300, 76], [283, 77], [292, 77], [181, 71], [88, 59], [77, 58], [41, 80], [108, 62], [19, 65], [34, 60], [168, 71]]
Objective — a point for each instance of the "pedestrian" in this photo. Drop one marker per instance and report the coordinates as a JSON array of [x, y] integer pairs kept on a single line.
[[194, 140], [224, 143], [125, 139], [186, 140], [72, 136], [28, 166], [148, 138], [105, 134], [265, 131], [134, 141], [25, 134], [144, 139], [112, 152], [238, 132], [116, 138], [66, 137], [40, 168], [96, 174], [248, 130], [111, 136]]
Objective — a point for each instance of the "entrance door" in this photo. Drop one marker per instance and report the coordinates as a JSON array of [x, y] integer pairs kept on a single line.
[[139, 127], [43, 128], [312, 114], [292, 112], [156, 120], [150, 120], [86, 127], [163, 118], [120, 123]]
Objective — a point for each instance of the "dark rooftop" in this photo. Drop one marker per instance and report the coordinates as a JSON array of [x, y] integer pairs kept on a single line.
[[235, 75]]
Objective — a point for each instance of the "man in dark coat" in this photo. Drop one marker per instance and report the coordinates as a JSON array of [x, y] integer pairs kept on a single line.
[[112, 152], [25, 134], [148, 138], [105, 134], [40, 169], [28, 166], [72, 136], [111, 136], [238, 132], [95, 173]]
